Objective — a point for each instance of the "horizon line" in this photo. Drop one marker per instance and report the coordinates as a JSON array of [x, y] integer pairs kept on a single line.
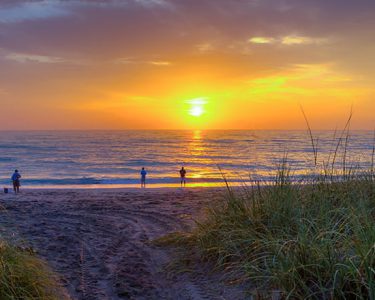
[[166, 129]]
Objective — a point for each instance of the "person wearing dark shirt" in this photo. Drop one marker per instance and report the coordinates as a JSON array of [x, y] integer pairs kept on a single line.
[[16, 181], [143, 178], [183, 176]]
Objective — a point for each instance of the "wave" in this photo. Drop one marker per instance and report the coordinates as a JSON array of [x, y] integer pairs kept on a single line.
[[6, 159]]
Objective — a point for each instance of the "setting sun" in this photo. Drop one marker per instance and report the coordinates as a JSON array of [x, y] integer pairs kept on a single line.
[[197, 106], [196, 111]]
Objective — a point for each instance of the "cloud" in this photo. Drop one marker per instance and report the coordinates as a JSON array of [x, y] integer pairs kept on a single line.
[[125, 61], [205, 47], [262, 40], [301, 79], [118, 3], [289, 40], [152, 3], [130, 61], [301, 40], [24, 58], [32, 10], [160, 63], [20, 11], [198, 101]]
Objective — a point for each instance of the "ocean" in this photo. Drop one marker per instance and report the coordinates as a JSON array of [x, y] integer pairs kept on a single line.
[[94, 159]]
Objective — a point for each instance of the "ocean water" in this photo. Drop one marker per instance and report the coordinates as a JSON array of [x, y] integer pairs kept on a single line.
[[114, 158]]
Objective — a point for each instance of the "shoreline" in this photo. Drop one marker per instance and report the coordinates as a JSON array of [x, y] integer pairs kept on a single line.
[[124, 186]]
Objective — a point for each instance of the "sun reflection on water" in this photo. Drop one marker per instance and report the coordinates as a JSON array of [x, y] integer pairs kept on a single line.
[[196, 146], [198, 154], [197, 135]]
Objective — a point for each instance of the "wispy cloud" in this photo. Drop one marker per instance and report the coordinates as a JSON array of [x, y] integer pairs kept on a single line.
[[288, 40], [119, 3], [125, 61], [151, 3], [198, 101], [205, 47], [298, 80], [301, 40], [160, 63], [130, 61], [32, 10], [262, 40], [43, 9], [24, 58]]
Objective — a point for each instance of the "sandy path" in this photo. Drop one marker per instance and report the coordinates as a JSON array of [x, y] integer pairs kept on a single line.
[[98, 240]]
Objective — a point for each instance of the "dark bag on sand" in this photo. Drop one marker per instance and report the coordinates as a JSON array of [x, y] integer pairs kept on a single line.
[[6, 190]]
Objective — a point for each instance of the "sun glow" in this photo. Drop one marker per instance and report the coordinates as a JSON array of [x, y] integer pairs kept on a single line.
[[196, 111], [197, 106]]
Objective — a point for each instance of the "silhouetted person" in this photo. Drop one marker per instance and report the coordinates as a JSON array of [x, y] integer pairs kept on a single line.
[[143, 178], [16, 181], [183, 176]]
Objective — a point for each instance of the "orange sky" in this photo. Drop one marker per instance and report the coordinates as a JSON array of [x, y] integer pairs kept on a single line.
[[208, 64]]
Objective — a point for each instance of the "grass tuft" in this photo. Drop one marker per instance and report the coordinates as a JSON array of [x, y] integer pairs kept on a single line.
[[24, 276]]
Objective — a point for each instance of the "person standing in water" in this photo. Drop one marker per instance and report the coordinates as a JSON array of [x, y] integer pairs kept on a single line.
[[143, 178], [16, 181], [183, 176]]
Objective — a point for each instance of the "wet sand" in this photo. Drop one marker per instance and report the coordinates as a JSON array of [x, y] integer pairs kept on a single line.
[[98, 241]]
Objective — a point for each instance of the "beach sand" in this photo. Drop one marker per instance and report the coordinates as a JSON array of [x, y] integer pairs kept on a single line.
[[98, 241]]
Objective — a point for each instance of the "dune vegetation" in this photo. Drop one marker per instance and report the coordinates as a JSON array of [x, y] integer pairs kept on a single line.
[[24, 276], [314, 241]]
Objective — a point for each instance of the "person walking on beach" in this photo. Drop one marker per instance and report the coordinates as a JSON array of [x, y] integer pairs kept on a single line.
[[143, 178], [183, 176], [16, 181]]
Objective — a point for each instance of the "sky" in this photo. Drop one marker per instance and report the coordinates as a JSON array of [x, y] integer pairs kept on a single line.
[[186, 64]]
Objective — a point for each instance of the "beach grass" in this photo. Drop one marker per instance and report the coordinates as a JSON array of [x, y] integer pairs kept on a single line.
[[24, 276], [311, 239]]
